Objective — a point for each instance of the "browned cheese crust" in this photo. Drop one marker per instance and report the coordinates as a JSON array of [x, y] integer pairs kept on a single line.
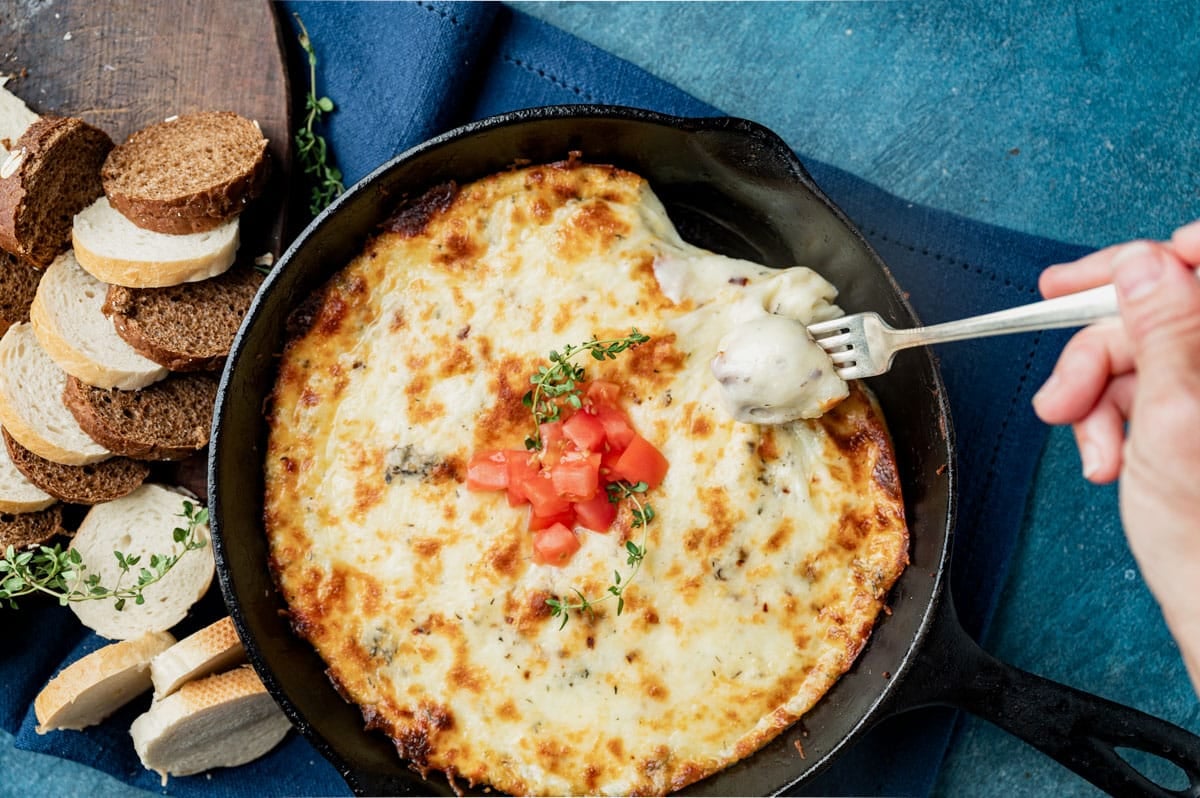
[[768, 562]]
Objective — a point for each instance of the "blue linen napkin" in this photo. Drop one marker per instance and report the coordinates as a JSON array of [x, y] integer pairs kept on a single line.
[[403, 72]]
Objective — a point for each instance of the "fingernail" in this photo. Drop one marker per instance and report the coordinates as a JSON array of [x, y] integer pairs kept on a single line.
[[1090, 456], [1139, 266], [1048, 387]]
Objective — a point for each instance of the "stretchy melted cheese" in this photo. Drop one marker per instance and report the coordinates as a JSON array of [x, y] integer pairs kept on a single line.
[[767, 563]]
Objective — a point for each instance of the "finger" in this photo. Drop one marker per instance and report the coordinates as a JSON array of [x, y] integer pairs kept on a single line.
[[1160, 306], [1093, 357], [1186, 243], [1100, 435], [1088, 272]]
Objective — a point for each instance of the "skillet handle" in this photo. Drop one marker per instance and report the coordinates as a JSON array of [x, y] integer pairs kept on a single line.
[[1079, 730]]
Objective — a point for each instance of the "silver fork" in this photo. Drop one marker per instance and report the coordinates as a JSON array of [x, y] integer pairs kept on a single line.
[[863, 345]]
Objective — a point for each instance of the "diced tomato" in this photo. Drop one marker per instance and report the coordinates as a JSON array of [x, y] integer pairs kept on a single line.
[[585, 431], [553, 441], [641, 462], [566, 518], [597, 513], [554, 545], [543, 498], [617, 428], [488, 470], [602, 392], [521, 469], [576, 476]]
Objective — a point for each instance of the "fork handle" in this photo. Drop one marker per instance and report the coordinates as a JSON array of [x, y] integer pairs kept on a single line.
[[1072, 310]]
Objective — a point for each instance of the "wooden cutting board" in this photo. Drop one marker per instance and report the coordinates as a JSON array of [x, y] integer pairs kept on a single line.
[[123, 64]]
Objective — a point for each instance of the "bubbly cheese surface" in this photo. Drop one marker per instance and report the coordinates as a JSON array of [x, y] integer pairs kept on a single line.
[[766, 565]]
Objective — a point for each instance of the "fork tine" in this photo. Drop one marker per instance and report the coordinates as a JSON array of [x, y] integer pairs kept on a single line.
[[832, 342], [847, 357], [823, 328]]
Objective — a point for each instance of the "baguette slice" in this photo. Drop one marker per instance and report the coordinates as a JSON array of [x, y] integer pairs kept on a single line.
[[26, 530], [189, 174], [187, 327], [86, 484], [90, 689], [141, 524], [70, 325], [52, 173], [17, 493], [31, 403], [166, 421], [114, 250], [15, 119], [214, 648], [221, 721], [18, 286]]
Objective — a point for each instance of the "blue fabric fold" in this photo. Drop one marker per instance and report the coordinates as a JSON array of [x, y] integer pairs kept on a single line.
[[402, 72]]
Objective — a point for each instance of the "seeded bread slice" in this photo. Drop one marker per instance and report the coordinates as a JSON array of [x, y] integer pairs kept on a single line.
[[52, 174], [115, 250], [17, 493], [141, 524], [18, 285], [70, 325], [31, 402], [15, 119], [189, 327], [93, 687], [25, 530], [188, 174], [84, 484], [165, 421]]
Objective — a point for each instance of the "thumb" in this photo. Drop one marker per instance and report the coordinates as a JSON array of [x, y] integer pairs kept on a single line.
[[1160, 306]]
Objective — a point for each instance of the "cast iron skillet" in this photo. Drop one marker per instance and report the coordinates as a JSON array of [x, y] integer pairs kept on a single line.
[[734, 187]]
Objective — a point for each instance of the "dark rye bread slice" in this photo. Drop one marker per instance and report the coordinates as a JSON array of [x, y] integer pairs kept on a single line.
[[25, 530], [18, 285], [165, 421], [52, 174], [188, 174], [85, 484], [185, 327]]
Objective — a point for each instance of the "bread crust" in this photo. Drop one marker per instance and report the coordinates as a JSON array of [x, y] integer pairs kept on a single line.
[[87, 485], [153, 274], [179, 210]]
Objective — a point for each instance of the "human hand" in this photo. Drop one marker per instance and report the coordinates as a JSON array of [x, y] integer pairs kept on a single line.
[[1130, 389]]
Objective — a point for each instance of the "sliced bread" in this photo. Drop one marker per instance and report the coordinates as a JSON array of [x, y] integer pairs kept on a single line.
[[188, 327], [78, 484], [17, 493], [141, 524], [25, 530], [15, 119], [52, 174], [188, 174], [115, 250], [31, 402], [93, 687], [221, 721], [214, 648], [70, 325], [18, 285], [165, 421]]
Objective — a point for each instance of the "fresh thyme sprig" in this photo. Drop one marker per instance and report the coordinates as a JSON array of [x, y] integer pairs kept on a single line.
[[310, 146], [63, 574], [642, 514], [560, 380]]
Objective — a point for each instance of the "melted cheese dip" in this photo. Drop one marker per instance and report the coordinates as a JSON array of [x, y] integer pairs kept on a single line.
[[766, 565]]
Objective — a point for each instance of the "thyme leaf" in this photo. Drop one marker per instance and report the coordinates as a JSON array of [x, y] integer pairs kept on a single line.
[[311, 147], [63, 574]]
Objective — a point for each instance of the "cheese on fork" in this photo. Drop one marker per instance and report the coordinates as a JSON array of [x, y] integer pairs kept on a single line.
[[769, 558]]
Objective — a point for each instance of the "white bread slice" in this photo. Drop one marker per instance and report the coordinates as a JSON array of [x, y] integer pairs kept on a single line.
[[70, 325], [214, 648], [141, 523], [115, 250], [15, 117], [31, 404], [221, 721], [90, 689], [18, 494]]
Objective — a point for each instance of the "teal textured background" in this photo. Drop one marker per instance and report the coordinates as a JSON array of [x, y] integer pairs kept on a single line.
[[1072, 120]]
